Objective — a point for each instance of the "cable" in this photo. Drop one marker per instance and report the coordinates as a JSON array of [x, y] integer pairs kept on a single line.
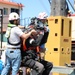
[[49, 2], [71, 5], [44, 6]]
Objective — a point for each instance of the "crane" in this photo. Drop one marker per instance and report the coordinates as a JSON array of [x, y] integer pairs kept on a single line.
[[59, 42], [61, 8]]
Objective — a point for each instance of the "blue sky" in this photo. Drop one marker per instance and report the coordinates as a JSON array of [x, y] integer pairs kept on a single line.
[[34, 7]]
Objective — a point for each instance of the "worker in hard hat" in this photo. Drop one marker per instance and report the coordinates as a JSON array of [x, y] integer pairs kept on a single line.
[[14, 35], [31, 53], [43, 18]]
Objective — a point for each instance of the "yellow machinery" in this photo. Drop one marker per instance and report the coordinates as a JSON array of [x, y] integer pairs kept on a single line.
[[59, 41]]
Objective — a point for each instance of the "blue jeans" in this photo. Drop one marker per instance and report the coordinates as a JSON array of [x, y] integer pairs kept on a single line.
[[13, 60]]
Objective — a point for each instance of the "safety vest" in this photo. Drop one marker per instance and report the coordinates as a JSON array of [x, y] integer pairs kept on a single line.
[[8, 32], [25, 45], [7, 35]]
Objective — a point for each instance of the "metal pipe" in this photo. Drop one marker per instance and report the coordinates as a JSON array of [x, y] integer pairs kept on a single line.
[[1, 26]]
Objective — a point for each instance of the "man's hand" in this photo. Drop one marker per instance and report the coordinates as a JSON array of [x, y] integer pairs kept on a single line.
[[33, 32]]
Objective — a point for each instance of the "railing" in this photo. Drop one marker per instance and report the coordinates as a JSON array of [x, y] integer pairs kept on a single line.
[[25, 21]]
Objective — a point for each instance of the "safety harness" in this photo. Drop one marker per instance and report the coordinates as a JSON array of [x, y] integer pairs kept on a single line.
[[11, 26], [30, 48], [36, 47]]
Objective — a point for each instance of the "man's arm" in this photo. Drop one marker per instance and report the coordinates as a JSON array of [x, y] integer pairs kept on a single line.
[[21, 27], [26, 35]]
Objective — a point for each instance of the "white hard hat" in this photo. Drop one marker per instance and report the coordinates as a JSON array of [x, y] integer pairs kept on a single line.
[[42, 15], [13, 16]]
